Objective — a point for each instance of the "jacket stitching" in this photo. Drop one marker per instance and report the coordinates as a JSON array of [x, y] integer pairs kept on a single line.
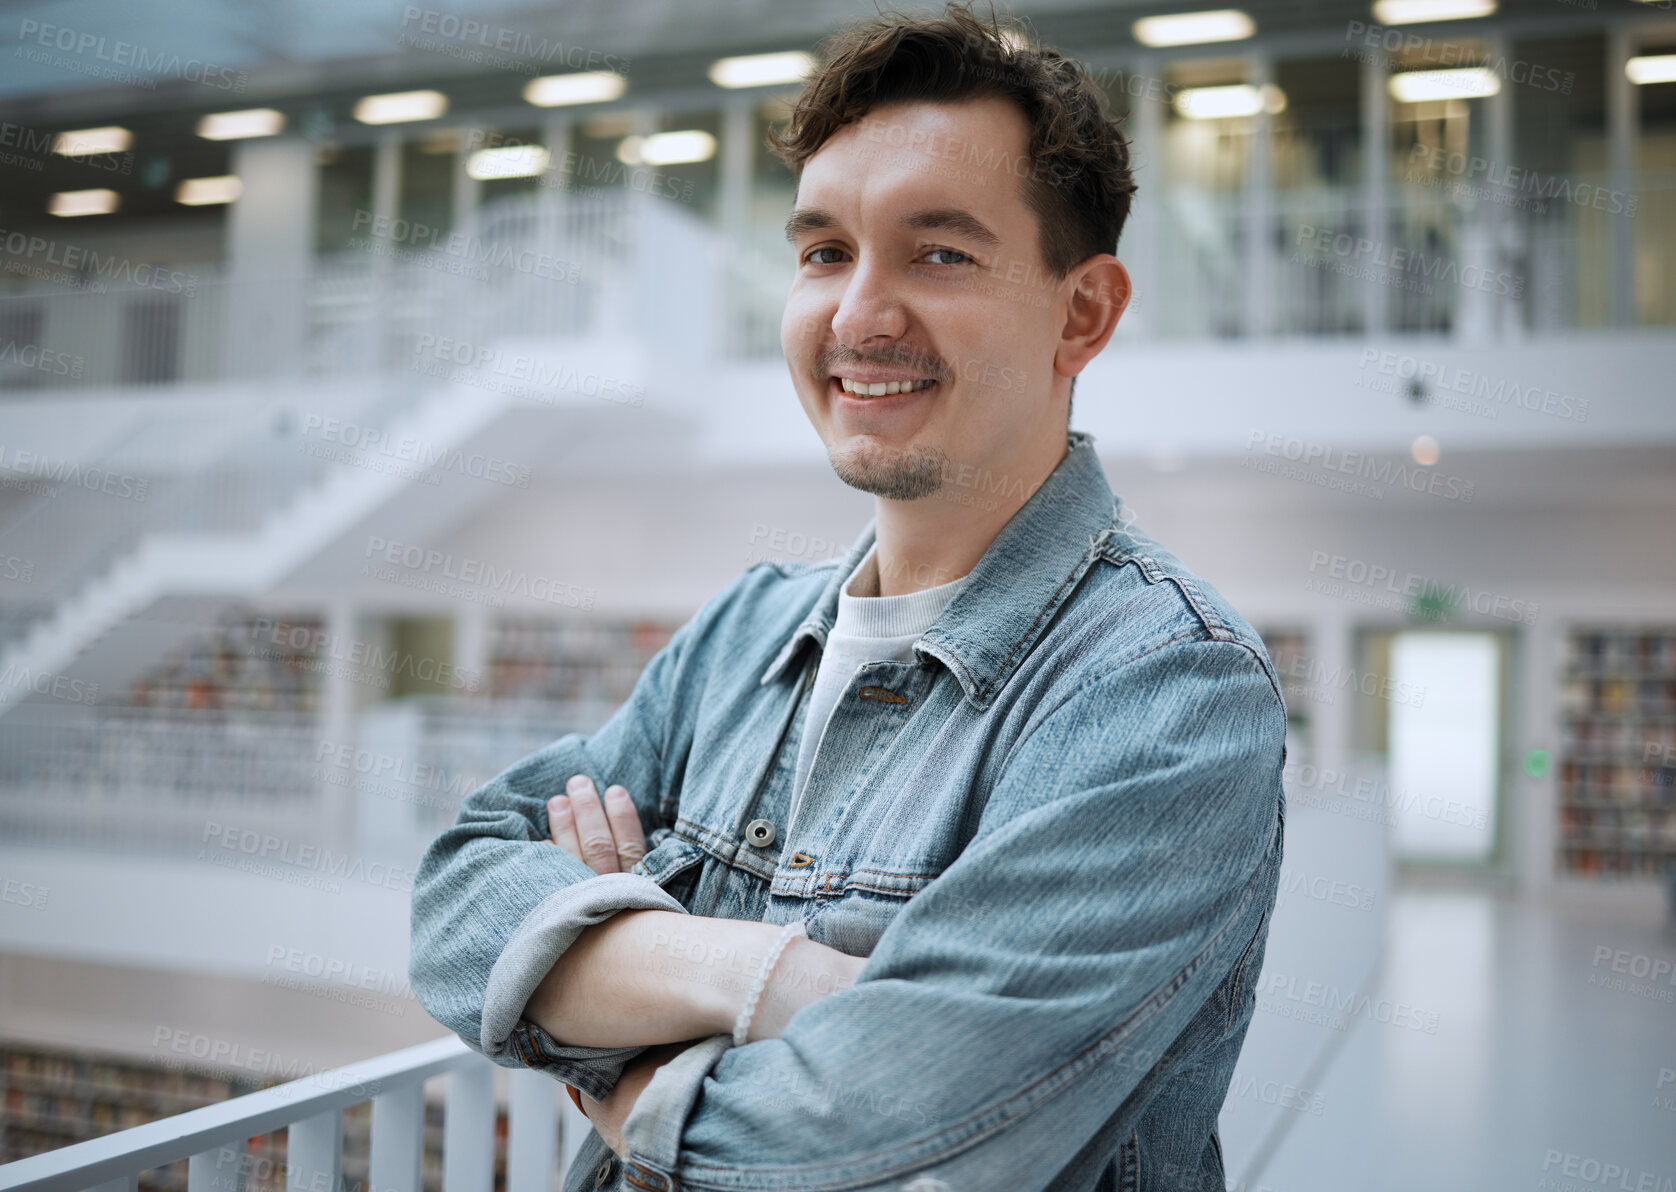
[[1091, 681], [853, 885], [1081, 566]]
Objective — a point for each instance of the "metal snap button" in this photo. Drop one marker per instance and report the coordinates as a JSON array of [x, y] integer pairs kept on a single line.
[[760, 832], [603, 1175]]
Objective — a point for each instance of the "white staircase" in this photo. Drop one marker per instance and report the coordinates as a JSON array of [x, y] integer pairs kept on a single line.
[[634, 269]]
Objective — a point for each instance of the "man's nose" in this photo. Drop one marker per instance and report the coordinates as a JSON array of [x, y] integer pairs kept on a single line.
[[871, 311]]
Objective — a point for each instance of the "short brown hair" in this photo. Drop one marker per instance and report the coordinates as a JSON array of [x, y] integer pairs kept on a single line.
[[1078, 181]]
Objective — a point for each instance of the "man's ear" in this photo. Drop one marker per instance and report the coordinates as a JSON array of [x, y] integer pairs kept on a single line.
[[1099, 295]]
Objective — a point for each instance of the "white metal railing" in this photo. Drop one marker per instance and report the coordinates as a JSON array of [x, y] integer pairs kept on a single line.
[[540, 1142]]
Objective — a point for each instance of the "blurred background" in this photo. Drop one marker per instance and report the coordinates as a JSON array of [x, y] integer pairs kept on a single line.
[[381, 385]]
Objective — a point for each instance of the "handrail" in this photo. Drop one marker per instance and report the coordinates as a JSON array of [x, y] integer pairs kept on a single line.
[[123, 1155]]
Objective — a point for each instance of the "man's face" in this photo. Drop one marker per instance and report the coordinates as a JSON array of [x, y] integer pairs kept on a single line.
[[919, 268]]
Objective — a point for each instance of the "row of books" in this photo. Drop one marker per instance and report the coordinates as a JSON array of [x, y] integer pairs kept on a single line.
[[1623, 651]]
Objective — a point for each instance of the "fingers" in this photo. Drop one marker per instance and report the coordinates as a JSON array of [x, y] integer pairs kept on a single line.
[[598, 847], [624, 819], [561, 825]]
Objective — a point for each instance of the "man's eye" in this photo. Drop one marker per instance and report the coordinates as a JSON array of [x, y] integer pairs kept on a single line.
[[947, 252], [814, 255]]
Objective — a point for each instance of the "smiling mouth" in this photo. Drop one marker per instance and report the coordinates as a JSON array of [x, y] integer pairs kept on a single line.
[[882, 388]]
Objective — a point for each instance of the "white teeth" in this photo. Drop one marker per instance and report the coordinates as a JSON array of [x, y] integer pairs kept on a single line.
[[881, 388]]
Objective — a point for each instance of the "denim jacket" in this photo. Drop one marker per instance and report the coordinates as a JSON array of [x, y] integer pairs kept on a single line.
[[1055, 835]]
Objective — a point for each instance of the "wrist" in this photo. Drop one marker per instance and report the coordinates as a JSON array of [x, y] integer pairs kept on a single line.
[[743, 948]]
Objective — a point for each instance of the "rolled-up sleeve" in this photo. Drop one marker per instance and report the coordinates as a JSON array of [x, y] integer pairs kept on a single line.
[[1009, 1016], [495, 903]]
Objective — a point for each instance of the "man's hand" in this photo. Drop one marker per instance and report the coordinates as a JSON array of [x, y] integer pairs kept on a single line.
[[607, 839], [609, 1115]]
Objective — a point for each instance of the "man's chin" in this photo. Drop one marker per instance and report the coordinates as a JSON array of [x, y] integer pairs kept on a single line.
[[896, 474]]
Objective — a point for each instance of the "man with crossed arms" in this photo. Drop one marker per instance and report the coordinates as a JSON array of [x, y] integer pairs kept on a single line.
[[1014, 835]]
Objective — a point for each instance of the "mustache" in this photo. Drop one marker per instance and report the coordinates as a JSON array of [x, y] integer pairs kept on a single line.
[[903, 356]]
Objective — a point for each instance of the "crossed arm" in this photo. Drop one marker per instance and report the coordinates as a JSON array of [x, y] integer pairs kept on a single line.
[[1120, 867], [607, 991]]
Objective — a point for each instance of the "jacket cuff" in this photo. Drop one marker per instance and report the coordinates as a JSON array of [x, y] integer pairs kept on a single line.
[[536, 945], [653, 1127]]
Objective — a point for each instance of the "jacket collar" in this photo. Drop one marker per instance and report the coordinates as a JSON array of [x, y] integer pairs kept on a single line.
[[1010, 597]]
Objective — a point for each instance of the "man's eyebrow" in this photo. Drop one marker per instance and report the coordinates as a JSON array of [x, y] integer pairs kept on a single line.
[[954, 219], [948, 219], [807, 219]]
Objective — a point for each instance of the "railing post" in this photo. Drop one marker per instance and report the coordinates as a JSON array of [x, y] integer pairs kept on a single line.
[[398, 1139], [314, 1153], [219, 1169], [468, 1131], [1376, 182], [532, 1149]]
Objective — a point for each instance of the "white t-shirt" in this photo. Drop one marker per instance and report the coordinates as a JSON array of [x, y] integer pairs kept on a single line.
[[867, 629]]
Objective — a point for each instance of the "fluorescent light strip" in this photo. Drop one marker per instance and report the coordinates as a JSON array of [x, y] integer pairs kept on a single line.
[[667, 148], [593, 86], [1194, 28], [236, 126], [1421, 86], [1656, 68], [83, 202], [762, 70], [1228, 103], [205, 192], [1412, 12], [508, 161], [400, 107], [84, 142]]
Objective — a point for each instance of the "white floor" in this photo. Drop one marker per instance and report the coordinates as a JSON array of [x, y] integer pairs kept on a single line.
[[1547, 1069]]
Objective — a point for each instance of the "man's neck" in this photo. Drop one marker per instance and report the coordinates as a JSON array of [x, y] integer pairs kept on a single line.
[[937, 539]]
